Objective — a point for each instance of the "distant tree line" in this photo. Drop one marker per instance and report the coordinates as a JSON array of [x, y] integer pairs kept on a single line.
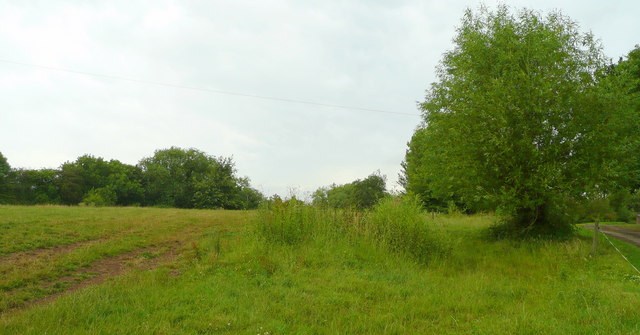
[[359, 194], [174, 177], [530, 119]]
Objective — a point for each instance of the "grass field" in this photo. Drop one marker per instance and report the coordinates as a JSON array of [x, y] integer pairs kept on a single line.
[[168, 271]]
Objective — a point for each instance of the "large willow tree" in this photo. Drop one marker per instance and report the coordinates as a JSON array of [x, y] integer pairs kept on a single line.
[[520, 118]]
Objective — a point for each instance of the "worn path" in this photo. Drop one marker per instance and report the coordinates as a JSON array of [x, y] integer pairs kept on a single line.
[[630, 234]]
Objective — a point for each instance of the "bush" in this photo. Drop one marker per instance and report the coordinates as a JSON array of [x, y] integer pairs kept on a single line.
[[399, 224], [99, 197], [359, 194]]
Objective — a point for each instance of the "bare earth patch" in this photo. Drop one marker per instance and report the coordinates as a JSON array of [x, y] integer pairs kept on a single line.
[[103, 269], [106, 268], [44, 252]]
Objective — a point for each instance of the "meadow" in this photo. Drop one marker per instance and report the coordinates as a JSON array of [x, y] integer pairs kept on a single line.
[[84, 270]]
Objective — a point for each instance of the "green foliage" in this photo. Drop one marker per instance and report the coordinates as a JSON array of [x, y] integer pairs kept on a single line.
[[395, 223], [71, 184], [414, 177], [43, 250], [398, 223], [247, 197], [320, 197], [171, 178], [189, 178], [5, 169], [30, 187], [341, 196], [618, 206], [620, 203], [292, 222], [219, 187], [368, 191], [359, 194], [288, 222], [624, 77], [99, 197], [225, 281], [520, 118], [126, 182], [87, 173], [551, 220], [634, 202]]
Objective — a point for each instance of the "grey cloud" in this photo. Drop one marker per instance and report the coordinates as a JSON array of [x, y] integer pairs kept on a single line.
[[377, 54]]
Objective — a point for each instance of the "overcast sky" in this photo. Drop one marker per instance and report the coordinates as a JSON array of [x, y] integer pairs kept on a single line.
[[369, 54]]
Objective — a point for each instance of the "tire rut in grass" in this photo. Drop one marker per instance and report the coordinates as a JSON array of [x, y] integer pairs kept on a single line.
[[153, 254], [21, 256], [102, 270]]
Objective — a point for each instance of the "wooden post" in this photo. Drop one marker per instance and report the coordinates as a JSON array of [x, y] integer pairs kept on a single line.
[[638, 219], [596, 232]]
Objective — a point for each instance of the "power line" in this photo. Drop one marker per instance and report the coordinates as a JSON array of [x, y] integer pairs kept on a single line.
[[201, 89]]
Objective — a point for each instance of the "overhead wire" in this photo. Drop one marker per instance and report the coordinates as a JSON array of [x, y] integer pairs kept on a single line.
[[202, 89]]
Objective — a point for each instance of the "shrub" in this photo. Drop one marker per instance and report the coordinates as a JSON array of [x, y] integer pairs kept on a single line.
[[359, 194], [99, 197], [399, 224]]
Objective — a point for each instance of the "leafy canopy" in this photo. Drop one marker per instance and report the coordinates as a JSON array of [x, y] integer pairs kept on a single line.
[[358, 194], [189, 178], [518, 117]]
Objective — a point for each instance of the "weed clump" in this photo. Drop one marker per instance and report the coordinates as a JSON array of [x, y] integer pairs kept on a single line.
[[399, 224], [292, 222]]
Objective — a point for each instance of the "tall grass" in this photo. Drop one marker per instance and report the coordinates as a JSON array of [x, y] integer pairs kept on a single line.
[[39, 245], [293, 222], [228, 282], [395, 223], [399, 224]]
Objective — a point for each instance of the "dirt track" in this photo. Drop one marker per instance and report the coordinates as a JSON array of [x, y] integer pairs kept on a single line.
[[627, 234], [95, 273]]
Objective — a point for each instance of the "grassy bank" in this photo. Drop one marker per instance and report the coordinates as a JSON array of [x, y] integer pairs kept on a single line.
[[44, 250], [236, 281]]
